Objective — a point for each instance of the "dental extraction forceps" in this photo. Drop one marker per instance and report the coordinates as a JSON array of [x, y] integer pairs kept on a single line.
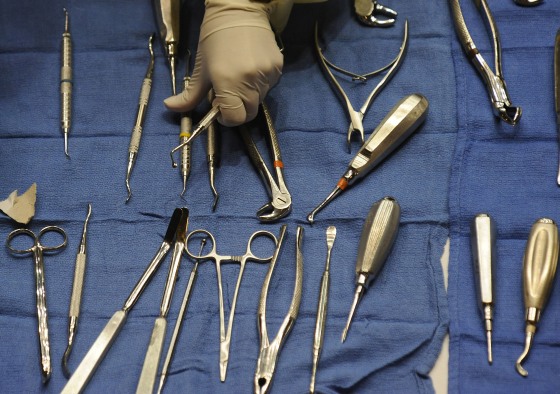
[[281, 203], [104, 341], [495, 82], [140, 117], [269, 350], [356, 117], [368, 10], [37, 250], [225, 336]]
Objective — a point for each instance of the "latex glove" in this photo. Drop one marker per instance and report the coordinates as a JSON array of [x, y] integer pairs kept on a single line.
[[237, 56]]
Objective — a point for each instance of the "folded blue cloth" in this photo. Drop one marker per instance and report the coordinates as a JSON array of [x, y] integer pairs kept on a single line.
[[397, 331], [509, 173]]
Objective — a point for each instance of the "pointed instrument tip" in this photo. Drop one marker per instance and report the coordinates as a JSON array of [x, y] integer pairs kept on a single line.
[[65, 357], [489, 342], [223, 371], [66, 145], [216, 198], [528, 342]]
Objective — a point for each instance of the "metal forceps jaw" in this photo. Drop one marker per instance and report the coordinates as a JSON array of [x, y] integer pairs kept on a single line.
[[225, 335], [495, 83], [268, 354], [281, 204], [42, 317], [371, 19], [356, 117]]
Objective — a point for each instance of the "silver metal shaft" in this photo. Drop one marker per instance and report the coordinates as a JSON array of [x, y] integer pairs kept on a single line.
[[66, 83], [322, 309], [136, 135], [76, 299], [179, 323]]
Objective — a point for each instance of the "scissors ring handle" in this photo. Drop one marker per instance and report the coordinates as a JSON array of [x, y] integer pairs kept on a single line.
[[55, 229], [255, 235], [211, 255], [18, 232]]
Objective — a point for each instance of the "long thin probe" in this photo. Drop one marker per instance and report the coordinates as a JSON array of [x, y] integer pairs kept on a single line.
[[179, 323], [75, 301], [66, 83], [186, 128], [140, 116], [322, 309]]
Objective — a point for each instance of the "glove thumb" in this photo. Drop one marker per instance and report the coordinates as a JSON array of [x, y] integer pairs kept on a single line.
[[198, 86]]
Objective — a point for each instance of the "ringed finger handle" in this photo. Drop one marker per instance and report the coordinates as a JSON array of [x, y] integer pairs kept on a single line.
[[257, 234], [54, 229], [199, 256], [19, 233]]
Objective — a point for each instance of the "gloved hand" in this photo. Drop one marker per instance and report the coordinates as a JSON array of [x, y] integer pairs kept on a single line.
[[237, 56]]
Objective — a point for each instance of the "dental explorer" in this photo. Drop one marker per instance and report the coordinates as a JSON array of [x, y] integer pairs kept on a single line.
[[557, 91], [378, 236], [167, 18], [405, 118], [66, 83], [136, 135], [76, 299], [186, 128], [322, 309], [483, 240], [495, 82], [213, 154], [539, 268], [179, 323], [205, 122]]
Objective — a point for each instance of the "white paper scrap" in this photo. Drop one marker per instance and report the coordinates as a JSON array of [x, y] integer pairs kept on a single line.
[[20, 208]]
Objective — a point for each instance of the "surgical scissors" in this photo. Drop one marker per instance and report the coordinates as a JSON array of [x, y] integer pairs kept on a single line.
[[281, 203], [225, 336], [356, 117], [37, 250]]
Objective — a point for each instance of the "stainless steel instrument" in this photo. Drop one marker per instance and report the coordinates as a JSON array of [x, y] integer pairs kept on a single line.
[[378, 236], [269, 350], [539, 268], [356, 117], [66, 83], [483, 240], [495, 82], [322, 308], [104, 341], [225, 336], [151, 362], [136, 135], [403, 120], [167, 18], [37, 250], [76, 300]]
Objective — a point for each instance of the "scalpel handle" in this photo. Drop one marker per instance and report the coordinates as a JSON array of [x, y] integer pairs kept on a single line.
[[95, 355]]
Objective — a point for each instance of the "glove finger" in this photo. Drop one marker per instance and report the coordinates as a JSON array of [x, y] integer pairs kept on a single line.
[[190, 97], [235, 110]]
